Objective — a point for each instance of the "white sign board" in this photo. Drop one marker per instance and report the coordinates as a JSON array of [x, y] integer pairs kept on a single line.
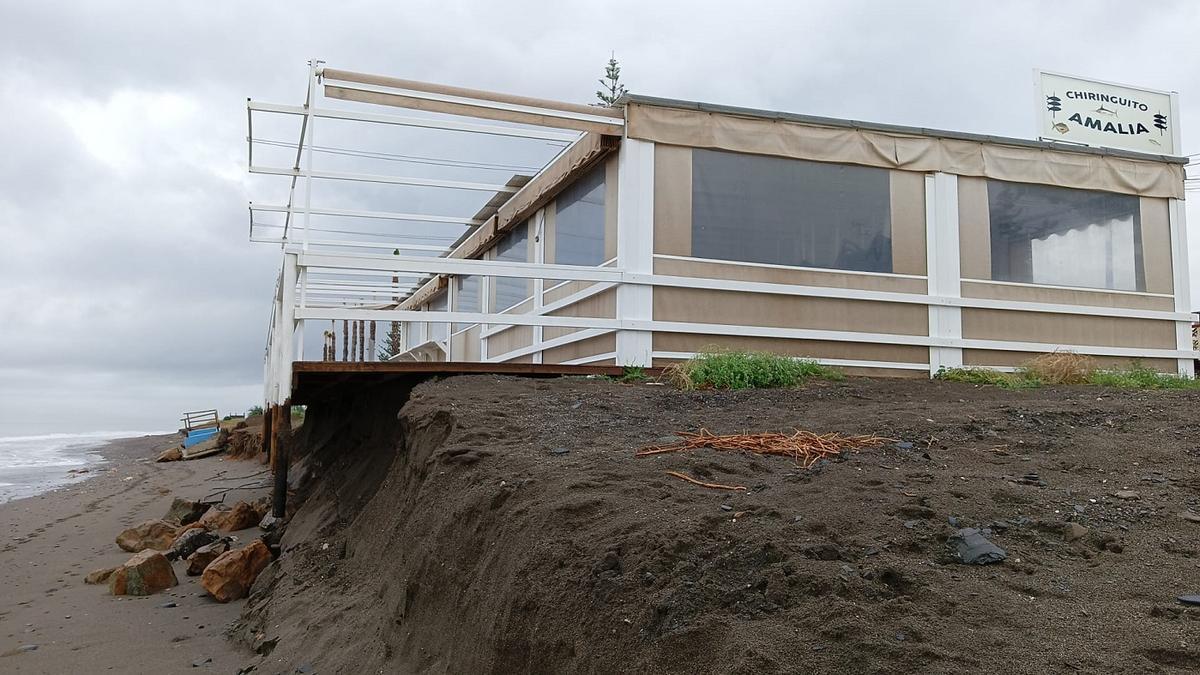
[[1090, 112]]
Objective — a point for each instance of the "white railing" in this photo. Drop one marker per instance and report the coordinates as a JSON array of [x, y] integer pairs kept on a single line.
[[362, 302]]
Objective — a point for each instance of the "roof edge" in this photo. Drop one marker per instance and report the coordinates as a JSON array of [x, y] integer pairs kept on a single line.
[[697, 106]]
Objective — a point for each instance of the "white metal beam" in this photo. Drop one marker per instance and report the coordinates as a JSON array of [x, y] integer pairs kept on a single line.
[[389, 180], [381, 215]]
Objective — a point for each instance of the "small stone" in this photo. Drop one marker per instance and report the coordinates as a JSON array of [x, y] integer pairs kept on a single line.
[[170, 455], [972, 548], [168, 605], [952, 520], [910, 524], [1189, 599], [1125, 494], [901, 637], [1078, 508], [560, 451], [904, 445], [304, 668], [198, 663], [1074, 532], [726, 507], [1190, 516]]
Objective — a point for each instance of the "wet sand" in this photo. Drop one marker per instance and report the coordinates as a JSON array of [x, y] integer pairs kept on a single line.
[[51, 541]]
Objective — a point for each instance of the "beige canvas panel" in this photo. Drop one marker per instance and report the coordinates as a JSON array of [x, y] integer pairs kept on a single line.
[[817, 349], [908, 222], [569, 288], [601, 344], [513, 338], [673, 200], [893, 150], [466, 345], [1064, 296], [468, 110], [1067, 329], [464, 92], [602, 305], [974, 229], [991, 358], [783, 275], [1156, 245], [611, 198], [745, 309]]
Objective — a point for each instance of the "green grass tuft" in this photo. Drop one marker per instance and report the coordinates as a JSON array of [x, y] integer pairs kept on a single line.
[[1135, 376], [1141, 377], [1019, 380], [746, 370], [633, 375]]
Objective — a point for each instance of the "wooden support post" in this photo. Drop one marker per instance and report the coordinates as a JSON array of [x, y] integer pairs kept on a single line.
[[345, 339], [282, 440], [266, 433]]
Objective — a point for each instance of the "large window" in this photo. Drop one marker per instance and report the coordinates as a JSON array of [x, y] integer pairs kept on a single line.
[[466, 298], [761, 209], [513, 247], [579, 221], [1065, 237]]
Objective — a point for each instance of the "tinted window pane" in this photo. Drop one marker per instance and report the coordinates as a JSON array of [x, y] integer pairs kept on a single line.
[[466, 298], [790, 212], [1064, 237], [438, 331], [514, 247], [579, 221]]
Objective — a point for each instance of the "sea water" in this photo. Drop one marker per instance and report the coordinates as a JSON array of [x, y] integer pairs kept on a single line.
[[30, 465]]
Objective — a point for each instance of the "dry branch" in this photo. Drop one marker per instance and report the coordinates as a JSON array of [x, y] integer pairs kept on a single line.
[[804, 447], [715, 486]]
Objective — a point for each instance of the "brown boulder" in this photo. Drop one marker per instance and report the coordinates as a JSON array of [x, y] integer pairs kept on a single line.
[[155, 534], [99, 576], [170, 455], [204, 556], [240, 517], [185, 511], [230, 576], [145, 573]]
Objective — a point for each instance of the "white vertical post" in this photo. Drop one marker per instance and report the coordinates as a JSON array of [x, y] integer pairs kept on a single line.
[[942, 267], [485, 306], [635, 248], [1181, 283], [309, 103], [539, 284], [287, 326]]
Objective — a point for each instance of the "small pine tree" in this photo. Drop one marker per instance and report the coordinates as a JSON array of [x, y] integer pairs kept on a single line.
[[393, 342], [612, 90]]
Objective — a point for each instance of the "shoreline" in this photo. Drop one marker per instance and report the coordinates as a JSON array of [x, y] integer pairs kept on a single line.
[[56, 537], [45, 469]]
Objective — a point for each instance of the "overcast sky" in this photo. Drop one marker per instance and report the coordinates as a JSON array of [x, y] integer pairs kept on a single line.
[[128, 290]]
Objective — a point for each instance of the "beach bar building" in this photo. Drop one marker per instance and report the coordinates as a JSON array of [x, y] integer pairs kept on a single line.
[[665, 227]]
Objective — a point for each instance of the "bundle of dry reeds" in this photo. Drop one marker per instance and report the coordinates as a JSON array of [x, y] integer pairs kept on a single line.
[[804, 447]]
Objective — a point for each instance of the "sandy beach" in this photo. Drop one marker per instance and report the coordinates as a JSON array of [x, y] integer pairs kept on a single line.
[[52, 540]]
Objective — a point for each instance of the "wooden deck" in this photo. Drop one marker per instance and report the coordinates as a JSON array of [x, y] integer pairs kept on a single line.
[[311, 380]]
